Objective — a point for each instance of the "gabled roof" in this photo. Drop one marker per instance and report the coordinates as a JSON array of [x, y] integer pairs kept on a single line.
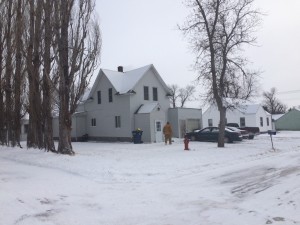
[[249, 109], [246, 108], [125, 82]]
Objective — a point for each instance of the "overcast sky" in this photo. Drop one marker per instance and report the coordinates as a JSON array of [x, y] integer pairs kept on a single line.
[[141, 32]]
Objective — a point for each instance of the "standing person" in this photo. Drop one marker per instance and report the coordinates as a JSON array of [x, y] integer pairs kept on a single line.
[[167, 130]]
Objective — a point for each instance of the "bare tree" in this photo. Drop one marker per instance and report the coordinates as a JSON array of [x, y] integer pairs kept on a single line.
[[218, 30], [179, 96], [18, 71], [186, 94], [2, 105], [33, 59], [174, 89], [78, 47], [8, 76], [47, 81], [271, 104]]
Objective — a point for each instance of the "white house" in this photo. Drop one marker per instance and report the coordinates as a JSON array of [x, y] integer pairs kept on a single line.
[[246, 116], [120, 102]]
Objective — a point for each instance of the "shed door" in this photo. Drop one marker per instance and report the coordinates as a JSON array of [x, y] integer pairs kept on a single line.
[[158, 131]]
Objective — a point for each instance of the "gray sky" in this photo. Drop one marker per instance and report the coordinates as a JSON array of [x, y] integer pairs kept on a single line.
[[140, 32]]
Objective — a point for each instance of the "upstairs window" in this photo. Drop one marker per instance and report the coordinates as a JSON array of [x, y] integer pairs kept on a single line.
[[210, 122], [99, 97], [268, 122], [110, 95], [146, 93], [155, 97]]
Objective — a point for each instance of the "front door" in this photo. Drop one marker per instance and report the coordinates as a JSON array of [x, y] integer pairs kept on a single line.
[[158, 131]]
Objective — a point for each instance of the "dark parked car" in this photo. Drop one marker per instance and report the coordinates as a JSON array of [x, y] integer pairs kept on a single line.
[[212, 134]]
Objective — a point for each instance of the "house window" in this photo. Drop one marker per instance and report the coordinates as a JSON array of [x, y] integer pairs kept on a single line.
[[110, 96], [210, 122], [99, 97], [155, 97], [242, 122], [118, 121], [146, 93], [261, 122], [268, 122], [93, 122]]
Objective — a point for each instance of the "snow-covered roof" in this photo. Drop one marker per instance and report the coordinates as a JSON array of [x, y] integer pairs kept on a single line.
[[249, 109], [85, 95], [123, 82], [148, 108]]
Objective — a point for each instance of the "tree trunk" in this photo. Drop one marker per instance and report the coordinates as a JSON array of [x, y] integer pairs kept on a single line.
[[47, 94], [222, 111], [65, 119], [8, 80], [18, 74], [2, 109], [35, 137]]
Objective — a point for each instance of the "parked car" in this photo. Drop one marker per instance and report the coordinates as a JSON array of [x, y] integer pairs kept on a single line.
[[212, 134], [251, 130], [245, 133]]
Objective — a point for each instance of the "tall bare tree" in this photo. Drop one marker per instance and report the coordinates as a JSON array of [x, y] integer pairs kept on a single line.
[[8, 87], [186, 94], [2, 56], [48, 84], [79, 43], [33, 58], [272, 104], [218, 30], [18, 71]]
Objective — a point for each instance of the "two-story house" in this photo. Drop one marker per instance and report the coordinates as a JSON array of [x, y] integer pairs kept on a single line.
[[120, 102]]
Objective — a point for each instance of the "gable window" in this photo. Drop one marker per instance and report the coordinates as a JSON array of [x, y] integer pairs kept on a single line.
[[268, 122], [242, 122], [99, 97], [210, 122], [93, 122], [261, 122], [146, 93], [118, 121], [110, 96], [155, 97]]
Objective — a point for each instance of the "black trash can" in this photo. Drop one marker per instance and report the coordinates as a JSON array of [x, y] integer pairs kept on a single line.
[[137, 136]]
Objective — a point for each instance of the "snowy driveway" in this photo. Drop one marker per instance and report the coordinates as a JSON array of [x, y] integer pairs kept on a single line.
[[244, 183]]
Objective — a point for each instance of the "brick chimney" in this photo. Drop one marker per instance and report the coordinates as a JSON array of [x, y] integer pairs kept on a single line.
[[120, 69]]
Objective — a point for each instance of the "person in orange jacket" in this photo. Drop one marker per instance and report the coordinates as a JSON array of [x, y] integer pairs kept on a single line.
[[167, 130]]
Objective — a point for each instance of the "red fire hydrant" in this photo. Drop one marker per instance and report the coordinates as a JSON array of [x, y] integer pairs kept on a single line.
[[186, 143]]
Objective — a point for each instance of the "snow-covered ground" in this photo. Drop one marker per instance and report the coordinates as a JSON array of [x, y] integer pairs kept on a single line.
[[245, 183]]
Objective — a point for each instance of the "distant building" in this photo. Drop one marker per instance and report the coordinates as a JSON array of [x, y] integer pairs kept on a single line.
[[252, 115], [289, 121]]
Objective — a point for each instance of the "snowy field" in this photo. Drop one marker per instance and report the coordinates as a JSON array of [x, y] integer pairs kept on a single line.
[[245, 183]]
